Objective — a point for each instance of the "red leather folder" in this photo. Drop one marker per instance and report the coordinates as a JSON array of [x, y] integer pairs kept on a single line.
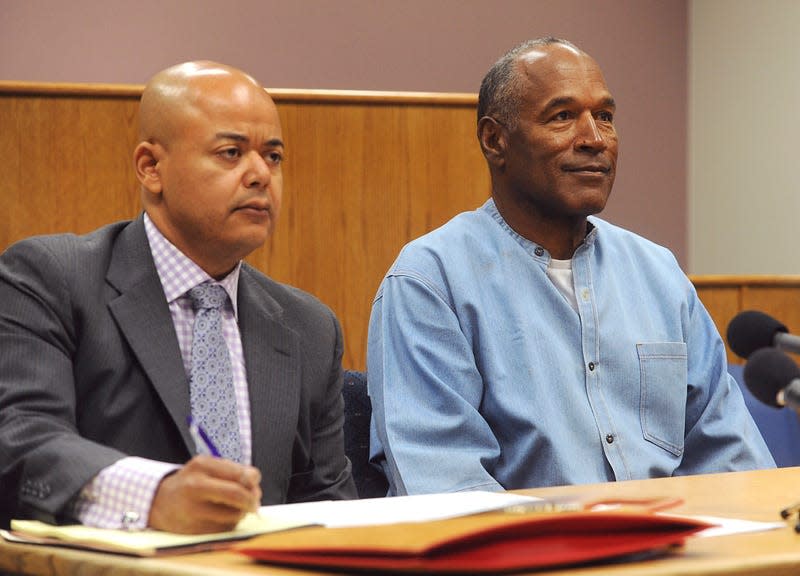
[[486, 543]]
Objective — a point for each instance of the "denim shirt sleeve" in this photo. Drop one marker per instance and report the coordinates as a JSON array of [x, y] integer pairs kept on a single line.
[[720, 432], [426, 391]]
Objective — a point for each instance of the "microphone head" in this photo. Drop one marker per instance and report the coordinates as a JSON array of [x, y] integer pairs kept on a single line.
[[751, 330], [767, 372]]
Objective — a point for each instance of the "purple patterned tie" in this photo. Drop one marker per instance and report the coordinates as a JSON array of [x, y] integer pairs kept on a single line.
[[211, 383]]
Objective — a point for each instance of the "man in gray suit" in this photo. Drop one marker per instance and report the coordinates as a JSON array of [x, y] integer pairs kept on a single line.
[[96, 335]]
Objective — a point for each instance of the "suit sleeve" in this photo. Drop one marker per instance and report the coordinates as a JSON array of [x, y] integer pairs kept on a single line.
[[43, 460], [329, 475]]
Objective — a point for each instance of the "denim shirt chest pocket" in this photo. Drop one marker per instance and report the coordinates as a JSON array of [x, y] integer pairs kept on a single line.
[[663, 383]]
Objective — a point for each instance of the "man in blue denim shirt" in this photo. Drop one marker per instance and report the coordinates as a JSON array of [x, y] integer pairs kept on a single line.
[[529, 343]]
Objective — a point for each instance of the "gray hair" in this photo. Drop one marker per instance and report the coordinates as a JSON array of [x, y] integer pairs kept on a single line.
[[500, 88]]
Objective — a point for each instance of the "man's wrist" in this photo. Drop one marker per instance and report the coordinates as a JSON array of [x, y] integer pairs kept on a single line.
[[120, 496]]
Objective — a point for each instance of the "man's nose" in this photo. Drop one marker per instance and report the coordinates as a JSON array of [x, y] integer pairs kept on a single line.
[[258, 174], [589, 136]]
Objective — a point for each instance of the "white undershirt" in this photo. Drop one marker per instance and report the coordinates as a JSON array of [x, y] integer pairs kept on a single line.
[[560, 274]]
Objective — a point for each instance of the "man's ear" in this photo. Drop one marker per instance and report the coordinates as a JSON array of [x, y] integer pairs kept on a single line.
[[493, 138], [145, 162]]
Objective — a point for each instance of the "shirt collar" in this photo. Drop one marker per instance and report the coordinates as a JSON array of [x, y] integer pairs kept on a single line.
[[179, 273], [490, 208]]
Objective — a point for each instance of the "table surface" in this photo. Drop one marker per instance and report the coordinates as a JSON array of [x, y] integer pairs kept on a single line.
[[756, 495]]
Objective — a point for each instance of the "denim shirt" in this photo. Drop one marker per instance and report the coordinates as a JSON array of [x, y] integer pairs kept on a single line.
[[483, 376]]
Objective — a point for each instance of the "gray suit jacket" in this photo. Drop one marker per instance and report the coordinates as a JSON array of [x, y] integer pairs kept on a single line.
[[90, 372]]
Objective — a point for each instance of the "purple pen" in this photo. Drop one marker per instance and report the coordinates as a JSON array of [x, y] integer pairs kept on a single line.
[[202, 442]]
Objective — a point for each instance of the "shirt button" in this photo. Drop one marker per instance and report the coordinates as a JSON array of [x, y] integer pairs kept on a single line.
[[539, 251], [610, 438], [585, 294], [591, 366]]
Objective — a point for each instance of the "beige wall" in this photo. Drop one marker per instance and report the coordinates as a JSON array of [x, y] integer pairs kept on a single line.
[[744, 175], [410, 45]]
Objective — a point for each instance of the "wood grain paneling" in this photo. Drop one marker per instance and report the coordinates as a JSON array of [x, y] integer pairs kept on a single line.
[[365, 173], [723, 303], [725, 296], [67, 163], [362, 179]]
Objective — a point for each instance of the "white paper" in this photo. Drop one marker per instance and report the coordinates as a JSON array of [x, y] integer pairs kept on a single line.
[[391, 510], [726, 526]]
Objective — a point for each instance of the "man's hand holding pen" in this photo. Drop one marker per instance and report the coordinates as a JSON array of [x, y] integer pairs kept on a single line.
[[208, 494]]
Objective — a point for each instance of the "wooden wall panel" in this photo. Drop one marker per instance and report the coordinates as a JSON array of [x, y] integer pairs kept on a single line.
[[780, 301], [726, 296], [365, 173], [361, 180], [67, 163], [722, 303]]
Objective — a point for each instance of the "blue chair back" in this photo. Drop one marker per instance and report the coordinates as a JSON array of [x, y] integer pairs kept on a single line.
[[780, 427], [370, 481]]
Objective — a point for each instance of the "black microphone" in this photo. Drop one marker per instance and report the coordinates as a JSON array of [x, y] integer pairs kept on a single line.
[[751, 330], [773, 378]]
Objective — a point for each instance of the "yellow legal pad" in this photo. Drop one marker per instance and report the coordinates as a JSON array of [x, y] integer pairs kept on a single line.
[[140, 542]]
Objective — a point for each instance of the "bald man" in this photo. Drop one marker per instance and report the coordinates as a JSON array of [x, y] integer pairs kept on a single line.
[[96, 336]]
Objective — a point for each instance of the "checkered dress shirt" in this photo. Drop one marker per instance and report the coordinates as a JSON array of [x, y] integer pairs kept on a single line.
[[120, 495]]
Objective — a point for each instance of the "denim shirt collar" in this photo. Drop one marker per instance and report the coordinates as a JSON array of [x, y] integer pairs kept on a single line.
[[535, 250]]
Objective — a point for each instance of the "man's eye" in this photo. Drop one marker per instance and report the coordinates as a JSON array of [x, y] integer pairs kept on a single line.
[[274, 157], [230, 153], [561, 116], [606, 116]]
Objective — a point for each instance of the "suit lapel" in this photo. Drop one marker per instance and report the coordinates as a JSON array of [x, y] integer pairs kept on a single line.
[[271, 354], [143, 316]]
